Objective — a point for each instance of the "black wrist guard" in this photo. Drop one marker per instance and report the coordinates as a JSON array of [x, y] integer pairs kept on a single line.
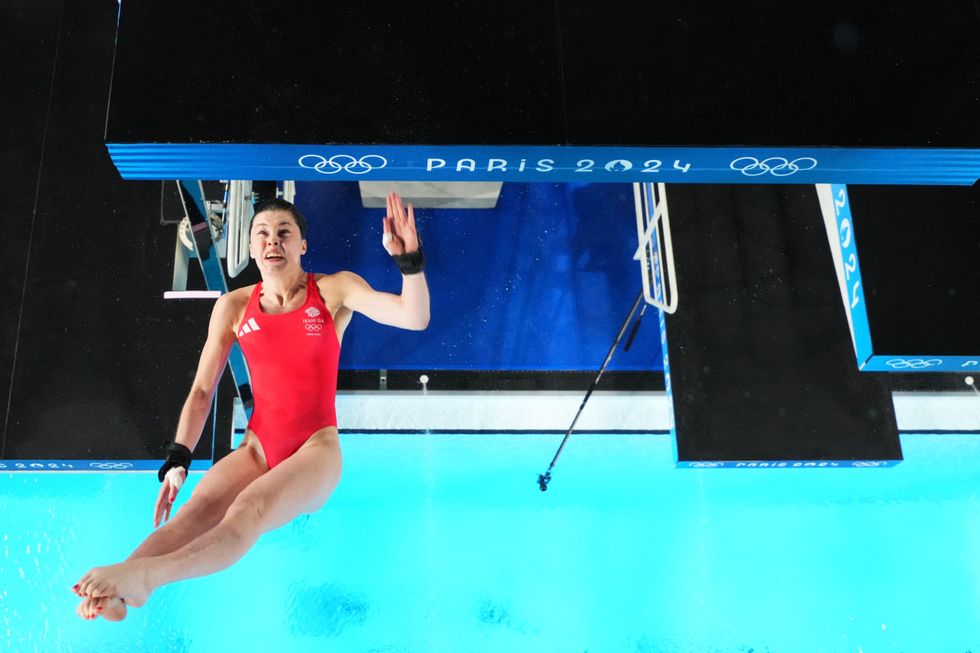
[[177, 456], [411, 263]]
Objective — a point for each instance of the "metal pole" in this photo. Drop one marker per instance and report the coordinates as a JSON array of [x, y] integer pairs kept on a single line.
[[543, 479]]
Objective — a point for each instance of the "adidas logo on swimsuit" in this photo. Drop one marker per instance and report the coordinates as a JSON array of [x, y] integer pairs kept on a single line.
[[249, 327]]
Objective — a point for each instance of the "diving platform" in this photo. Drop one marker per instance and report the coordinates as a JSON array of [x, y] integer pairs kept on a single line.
[[760, 366]]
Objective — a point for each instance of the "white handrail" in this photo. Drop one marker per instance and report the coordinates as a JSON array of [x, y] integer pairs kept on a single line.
[[237, 217], [654, 249]]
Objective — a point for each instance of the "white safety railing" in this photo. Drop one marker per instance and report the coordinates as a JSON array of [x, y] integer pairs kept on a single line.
[[238, 214], [654, 250], [238, 211]]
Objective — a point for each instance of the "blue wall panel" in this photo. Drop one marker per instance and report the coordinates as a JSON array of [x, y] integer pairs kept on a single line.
[[541, 282]]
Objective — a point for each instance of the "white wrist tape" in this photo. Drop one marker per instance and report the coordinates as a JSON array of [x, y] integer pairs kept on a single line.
[[176, 477]]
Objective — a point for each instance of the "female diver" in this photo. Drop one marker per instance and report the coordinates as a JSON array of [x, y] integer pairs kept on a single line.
[[290, 326]]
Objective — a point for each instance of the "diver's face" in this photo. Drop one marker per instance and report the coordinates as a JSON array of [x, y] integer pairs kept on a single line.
[[275, 241]]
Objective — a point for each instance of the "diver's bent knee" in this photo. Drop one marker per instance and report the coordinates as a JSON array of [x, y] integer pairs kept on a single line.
[[248, 509], [202, 510]]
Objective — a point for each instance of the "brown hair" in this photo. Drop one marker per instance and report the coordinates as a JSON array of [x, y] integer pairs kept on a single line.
[[278, 204]]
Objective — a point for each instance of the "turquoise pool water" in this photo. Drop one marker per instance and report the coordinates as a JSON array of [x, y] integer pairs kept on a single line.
[[444, 543]]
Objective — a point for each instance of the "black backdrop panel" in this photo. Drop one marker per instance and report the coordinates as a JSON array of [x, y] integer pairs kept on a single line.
[[835, 73], [32, 46], [325, 72], [103, 363], [544, 73]]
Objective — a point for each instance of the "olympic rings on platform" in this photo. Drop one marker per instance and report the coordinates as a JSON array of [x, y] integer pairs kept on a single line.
[[344, 162], [777, 166], [912, 363]]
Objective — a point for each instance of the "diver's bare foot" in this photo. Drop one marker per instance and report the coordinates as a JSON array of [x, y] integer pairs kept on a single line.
[[127, 580], [87, 609], [109, 608]]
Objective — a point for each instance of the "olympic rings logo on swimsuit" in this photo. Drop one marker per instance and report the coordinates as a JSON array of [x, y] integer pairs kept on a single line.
[[344, 162], [314, 327], [775, 165], [111, 465], [912, 363]]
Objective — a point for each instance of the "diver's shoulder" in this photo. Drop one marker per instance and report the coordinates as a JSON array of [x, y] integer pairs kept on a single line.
[[233, 299]]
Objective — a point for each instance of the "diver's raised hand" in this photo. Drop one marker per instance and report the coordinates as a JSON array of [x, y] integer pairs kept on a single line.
[[400, 235]]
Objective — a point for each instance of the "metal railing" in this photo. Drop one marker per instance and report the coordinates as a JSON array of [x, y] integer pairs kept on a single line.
[[238, 214], [654, 250]]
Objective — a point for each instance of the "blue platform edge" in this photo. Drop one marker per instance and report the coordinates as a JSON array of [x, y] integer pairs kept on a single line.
[[93, 465], [715, 165], [867, 359], [921, 363], [667, 386], [855, 304], [782, 464]]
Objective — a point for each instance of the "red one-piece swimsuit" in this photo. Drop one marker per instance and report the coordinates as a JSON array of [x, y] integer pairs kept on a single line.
[[292, 360]]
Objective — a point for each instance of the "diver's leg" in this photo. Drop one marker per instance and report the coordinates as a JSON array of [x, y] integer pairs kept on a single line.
[[300, 484], [207, 504]]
